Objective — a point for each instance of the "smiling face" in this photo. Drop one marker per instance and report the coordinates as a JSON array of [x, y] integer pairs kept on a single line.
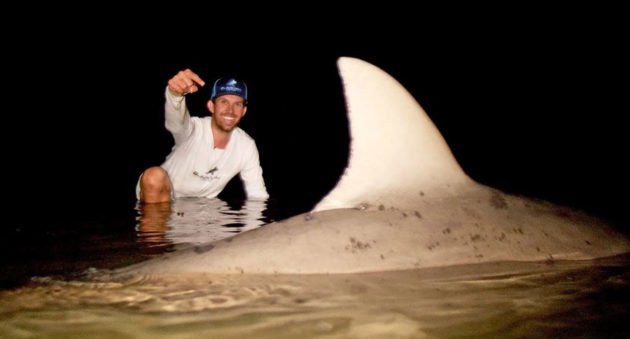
[[227, 111]]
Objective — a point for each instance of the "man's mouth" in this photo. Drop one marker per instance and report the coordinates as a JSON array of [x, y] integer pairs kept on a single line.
[[228, 118]]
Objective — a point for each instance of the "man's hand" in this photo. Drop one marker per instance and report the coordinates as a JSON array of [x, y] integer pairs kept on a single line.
[[185, 82]]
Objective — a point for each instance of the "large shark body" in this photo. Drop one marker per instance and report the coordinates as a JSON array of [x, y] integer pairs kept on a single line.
[[403, 203]]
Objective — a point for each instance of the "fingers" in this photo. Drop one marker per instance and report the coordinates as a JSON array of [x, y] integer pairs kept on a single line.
[[185, 82]]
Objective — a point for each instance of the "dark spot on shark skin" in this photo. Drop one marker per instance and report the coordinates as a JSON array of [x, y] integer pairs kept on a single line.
[[381, 207], [203, 248], [418, 214], [476, 237], [446, 231], [537, 249], [587, 242], [181, 214], [357, 245], [382, 257], [432, 246], [502, 237], [229, 239], [308, 216], [497, 201], [404, 214], [518, 230], [421, 194]]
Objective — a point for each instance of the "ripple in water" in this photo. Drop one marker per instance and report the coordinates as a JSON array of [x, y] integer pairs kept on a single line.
[[509, 299]]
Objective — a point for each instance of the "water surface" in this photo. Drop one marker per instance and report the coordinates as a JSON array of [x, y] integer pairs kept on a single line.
[[508, 299]]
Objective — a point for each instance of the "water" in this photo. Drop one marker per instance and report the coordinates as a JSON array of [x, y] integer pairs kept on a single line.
[[195, 221], [559, 299]]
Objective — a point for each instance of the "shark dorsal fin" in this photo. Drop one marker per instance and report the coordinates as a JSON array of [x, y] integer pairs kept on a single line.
[[397, 155]]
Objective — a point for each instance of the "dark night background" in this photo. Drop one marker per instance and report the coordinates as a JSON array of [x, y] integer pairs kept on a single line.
[[532, 106]]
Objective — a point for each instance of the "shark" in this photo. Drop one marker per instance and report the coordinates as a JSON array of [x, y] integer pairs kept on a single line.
[[403, 202]]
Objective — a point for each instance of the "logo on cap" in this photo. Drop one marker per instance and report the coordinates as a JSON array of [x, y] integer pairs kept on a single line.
[[229, 86]]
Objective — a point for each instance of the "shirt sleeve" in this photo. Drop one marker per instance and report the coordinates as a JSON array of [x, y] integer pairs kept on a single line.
[[176, 116], [252, 176]]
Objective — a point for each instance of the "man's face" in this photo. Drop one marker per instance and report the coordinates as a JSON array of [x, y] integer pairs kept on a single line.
[[228, 111]]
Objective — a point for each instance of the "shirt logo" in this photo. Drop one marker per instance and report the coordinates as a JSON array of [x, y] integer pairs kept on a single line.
[[209, 175]]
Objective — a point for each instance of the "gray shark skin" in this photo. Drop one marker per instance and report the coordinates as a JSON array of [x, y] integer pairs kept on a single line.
[[403, 202]]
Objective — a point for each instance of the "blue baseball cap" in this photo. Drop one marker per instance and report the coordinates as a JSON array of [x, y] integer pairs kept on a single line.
[[225, 86]]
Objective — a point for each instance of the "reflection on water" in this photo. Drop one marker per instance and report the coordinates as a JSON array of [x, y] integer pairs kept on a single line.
[[196, 221]]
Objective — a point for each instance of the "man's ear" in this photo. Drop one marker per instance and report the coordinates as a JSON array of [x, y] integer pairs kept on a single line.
[[211, 106], [244, 111]]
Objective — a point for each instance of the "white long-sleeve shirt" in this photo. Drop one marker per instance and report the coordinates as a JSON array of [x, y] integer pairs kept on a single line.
[[196, 168]]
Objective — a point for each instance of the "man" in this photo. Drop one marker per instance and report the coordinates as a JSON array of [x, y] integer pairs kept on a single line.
[[208, 151]]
